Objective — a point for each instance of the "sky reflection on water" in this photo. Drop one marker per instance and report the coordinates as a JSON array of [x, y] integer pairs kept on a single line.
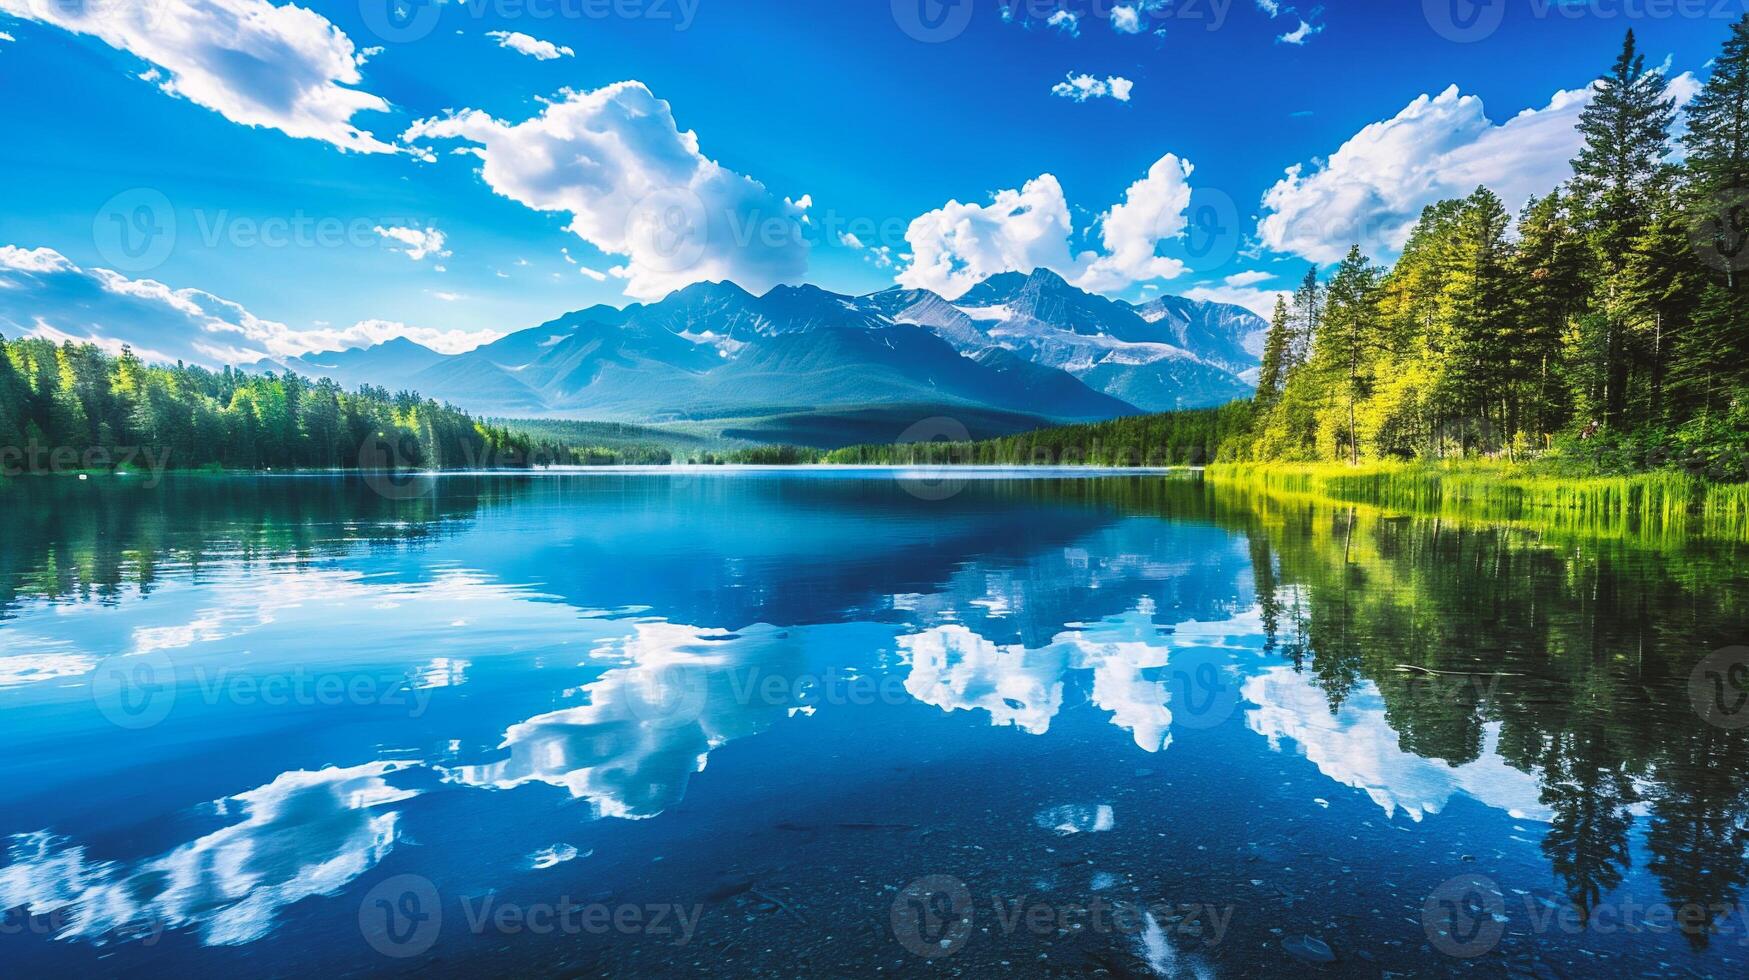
[[235, 710]]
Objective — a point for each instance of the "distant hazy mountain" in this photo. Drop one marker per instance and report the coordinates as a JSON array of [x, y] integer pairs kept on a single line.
[[1029, 345]]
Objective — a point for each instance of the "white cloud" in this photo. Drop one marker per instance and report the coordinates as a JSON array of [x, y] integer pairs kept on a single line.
[[1153, 211], [447, 297], [1357, 747], [959, 245], [1068, 23], [7, 37], [636, 185], [1373, 188], [533, 47], [417, 243], [33, 259], [1240, 289], [1300, 34], [849, 240], [302, 835], [1126, 19], [594, 274], [1083, 87], [368, 333], [280, 67], [1250, 278], [43, 294], [1270, 7]]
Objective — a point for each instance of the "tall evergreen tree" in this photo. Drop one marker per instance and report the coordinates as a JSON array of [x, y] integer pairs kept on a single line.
[[1627, 134], [1275, 354], [1348, 339], [1308, 309], [1548, 276], [1471, 323]]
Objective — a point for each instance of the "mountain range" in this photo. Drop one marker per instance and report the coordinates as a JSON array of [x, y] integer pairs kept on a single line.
[[1029, 345]]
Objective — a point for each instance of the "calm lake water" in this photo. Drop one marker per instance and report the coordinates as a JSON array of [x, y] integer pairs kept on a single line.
[[842, 724]]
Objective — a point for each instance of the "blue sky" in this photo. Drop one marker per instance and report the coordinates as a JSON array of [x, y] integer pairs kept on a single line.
[[215, 179]]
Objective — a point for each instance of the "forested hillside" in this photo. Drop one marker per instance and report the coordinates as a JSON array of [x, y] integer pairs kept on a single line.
[[73, 405], [1611, 316], [1607, 327]]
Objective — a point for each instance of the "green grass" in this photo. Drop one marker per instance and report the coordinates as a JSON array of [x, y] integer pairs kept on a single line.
[[1647, 505]]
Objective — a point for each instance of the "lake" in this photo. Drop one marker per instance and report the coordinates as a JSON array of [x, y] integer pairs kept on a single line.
[[841, 723]]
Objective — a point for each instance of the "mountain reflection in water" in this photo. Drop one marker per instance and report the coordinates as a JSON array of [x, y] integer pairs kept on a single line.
[[610, 639]]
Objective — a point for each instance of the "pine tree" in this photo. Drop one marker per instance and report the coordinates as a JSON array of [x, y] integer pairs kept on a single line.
[[1627, 132], [1548, 276], [1308, 309], [1275, 353], [1718, 121], [1348, 340]]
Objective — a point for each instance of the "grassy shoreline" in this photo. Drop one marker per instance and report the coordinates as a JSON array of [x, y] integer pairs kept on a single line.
[[1648, 504]]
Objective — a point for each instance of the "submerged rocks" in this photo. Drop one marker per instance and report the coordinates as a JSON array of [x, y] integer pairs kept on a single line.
[[1311, 949]]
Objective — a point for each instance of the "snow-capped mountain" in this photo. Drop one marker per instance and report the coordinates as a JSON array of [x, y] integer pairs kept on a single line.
[[1031, 345]]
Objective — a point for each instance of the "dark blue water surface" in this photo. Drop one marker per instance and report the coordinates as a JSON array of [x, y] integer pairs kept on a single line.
[[843, 723]]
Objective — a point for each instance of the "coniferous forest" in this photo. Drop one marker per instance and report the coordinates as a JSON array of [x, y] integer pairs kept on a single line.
[[73, 406], [1611, 316], [1607, 325]]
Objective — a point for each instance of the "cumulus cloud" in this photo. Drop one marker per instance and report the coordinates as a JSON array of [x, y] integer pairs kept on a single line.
[[1300, 34], [1270, 7], [1153, 211], [636, 185], [7, 37], [44, 294], [1083, 87], [255, 63], [1068, 23], [1249, 278], [1373, 188], [533, 47], [957, 246], [32, 259], [417, 243], [1126, 19]]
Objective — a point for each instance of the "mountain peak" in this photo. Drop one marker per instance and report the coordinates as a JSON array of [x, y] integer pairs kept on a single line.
[[1045, 277], [707, 291]]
